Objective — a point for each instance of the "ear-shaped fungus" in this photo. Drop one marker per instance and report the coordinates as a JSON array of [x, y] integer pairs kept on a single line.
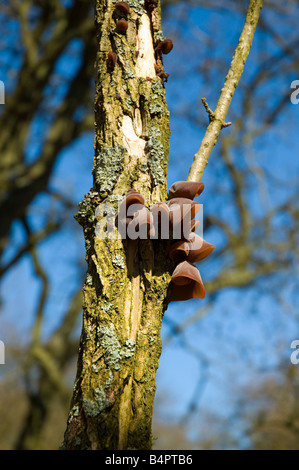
[[186, 280], [123, 7], [186, 283], [194, 225], [161, 217], [165, 46], [132, 198], [142, 221], [198, 248], [181, 207], [160, 210], [187, 189], [121, 26], [179, 251]]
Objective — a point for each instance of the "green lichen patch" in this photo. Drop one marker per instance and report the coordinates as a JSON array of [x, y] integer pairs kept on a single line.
[[94, 407], [118, 261], [129, 73], [160, 36], [137, 5], [157, 97], [155, 108], [155, 159], [107, 307], [155, 131], [88, 279], [85, 213], [157, 89], [115, 198], [114, 352], [108, 166]]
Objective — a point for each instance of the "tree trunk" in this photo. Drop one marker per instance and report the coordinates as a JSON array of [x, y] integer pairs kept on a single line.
[[125, 292]]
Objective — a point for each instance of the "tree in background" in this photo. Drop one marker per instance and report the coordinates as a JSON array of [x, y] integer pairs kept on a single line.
[[247, 251]]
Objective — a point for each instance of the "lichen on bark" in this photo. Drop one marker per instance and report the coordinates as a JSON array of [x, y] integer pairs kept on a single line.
[[125, 293]]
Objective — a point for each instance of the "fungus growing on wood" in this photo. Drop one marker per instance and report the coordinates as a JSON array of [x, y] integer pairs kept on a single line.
[[198, 248], [179, 251], [187, 189], [133, 195], [141, 224], [181, 208], [132, 198], [138, 222], [161, 72], [121, 26], [164, 46], [160, 209], [161, 220], [186, 280], [186, 283], [123, 7], [112, 60], [194, 225], [193, 250]]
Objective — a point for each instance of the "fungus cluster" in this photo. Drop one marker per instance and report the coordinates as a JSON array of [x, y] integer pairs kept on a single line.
[[133, 213], [121, 12], [186, 282], [123, 8], [138, 222]]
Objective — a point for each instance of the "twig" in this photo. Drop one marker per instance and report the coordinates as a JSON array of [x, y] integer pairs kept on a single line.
[[40, 272], [32, 241], [217, 118], [212, 115]]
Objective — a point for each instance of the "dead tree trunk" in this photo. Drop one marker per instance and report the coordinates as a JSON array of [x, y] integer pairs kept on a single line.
[[125, 290]]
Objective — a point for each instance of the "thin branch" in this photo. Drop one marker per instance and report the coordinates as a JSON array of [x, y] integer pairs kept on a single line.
[[227, 92], [40, 272], [32, 241]]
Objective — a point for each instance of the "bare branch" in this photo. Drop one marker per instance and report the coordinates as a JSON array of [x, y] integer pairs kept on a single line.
[[227, 92]]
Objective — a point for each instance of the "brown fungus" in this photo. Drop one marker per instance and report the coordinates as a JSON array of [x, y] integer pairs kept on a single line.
[[161, 72], [125, 216], [187, 189], [194, 225], [179, 251], [161, 211], [186, 283], [164, 46], [198, 248], [181, 208], [123, 7], [112, 60], [121, 26], [142, 222], [132, 197]]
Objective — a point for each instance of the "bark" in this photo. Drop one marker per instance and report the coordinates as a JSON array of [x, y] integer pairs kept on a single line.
[[125, 292]]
